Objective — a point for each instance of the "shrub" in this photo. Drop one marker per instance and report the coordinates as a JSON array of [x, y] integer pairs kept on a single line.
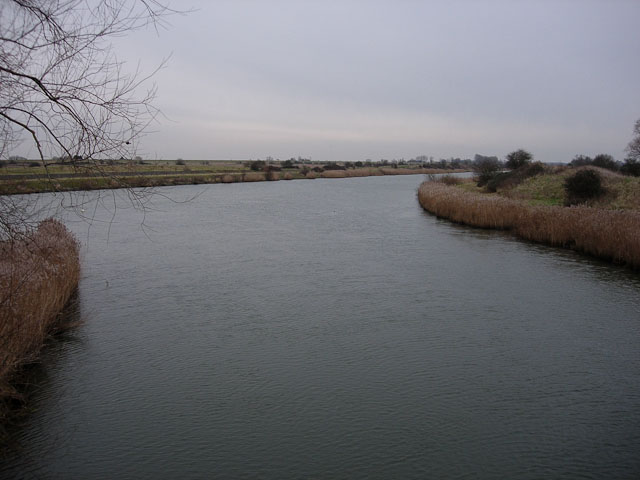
[[631, 167], [257, 165], [180, 162], [518, 159], [334, 166], [514, 177], [534, 169], [449, 180], [34, 164], [486, 168], [603, 160], [582, 186], [581, 161], [497, 181]]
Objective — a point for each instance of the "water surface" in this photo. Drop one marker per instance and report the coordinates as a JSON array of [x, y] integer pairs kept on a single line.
[[333, 329]]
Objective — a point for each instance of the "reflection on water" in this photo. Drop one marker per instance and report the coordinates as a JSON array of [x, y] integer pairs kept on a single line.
[[332, 329], [38, 378]]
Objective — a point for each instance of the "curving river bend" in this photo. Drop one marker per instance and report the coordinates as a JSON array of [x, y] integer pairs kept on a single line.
[[333, 329]]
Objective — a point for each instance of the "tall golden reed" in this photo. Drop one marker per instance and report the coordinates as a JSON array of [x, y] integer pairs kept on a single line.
[[610, 234], [333, 174], [38, 274], [254, 177]]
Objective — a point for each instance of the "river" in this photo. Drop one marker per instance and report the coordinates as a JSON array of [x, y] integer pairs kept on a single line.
[[332, 329]]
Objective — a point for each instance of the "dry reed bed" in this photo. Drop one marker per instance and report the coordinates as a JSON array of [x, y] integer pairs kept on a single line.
[[254, 177], [610, 234], [38, 274], [334, 174]]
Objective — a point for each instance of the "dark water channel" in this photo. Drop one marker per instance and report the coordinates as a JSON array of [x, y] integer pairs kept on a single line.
[[332, 329]]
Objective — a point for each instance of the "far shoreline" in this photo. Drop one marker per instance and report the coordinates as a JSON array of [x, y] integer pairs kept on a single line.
[[132, 178]]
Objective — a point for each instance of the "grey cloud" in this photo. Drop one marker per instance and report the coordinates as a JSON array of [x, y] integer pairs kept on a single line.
[[558, 75]]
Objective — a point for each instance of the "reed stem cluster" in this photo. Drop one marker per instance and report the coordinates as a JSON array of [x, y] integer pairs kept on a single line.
[[609, 234], [39, 272]]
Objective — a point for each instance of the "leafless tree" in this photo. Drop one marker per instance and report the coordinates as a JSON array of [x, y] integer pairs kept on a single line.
[[62, 88], [633, 149]]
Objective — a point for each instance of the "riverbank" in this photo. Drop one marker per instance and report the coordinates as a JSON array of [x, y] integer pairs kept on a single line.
[[605, 233], [40, 272], [135, 177]]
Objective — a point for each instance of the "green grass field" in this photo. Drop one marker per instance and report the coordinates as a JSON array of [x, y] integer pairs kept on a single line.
[[621, 192]]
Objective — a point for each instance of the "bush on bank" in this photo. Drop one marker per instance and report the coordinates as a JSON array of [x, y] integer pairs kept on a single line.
[[582, 186], [38, 274], [514, 177]]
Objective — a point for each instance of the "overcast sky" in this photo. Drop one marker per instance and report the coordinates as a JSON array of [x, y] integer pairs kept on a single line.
[[350, 80]]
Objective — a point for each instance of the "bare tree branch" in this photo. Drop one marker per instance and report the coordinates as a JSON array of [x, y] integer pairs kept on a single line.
[[61, 86]]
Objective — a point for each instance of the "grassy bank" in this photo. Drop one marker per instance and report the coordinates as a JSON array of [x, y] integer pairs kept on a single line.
[[620, 192], [611, 234], [166, 175], [39, 273]]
